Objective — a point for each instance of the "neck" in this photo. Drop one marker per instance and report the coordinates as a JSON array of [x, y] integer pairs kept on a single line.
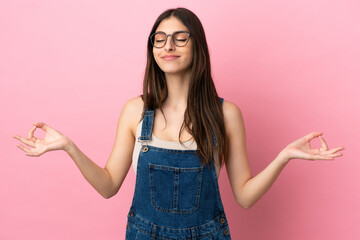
[[178, 86]]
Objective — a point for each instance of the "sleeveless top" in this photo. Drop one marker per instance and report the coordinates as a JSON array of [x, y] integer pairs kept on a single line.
[[157, 142]]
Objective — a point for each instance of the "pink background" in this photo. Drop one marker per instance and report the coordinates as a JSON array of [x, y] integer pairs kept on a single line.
[[291, 66]]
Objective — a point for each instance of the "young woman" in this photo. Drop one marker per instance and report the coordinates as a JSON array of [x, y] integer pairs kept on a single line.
[[177, 135]]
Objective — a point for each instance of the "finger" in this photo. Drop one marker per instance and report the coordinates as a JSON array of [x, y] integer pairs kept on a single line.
[[29, 152], [31, 133], [324, 146], [36, 152], [322, 157], [28, 142], [336, 155], [25, 149], [42, 125], [312, 135], [327, 156], [334, 150], [33, 154]]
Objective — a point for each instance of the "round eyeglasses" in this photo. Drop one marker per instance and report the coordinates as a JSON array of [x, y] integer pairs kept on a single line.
[[179, 38]]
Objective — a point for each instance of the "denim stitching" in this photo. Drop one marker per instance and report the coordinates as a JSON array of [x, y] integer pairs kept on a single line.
[[169, 168], [199, 171], [172, 150], [216, 182], [176, 189], [137, 179], [141, 230], [186, 229]]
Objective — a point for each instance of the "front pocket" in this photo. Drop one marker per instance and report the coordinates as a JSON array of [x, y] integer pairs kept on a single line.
[[175, 190]]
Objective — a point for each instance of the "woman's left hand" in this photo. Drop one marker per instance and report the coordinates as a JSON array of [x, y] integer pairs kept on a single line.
[[301, 149]]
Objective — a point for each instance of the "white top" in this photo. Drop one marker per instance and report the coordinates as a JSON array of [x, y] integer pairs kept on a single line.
[[157, 142]]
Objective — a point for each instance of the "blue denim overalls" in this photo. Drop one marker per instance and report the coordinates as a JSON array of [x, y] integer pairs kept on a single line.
[[176, 196]]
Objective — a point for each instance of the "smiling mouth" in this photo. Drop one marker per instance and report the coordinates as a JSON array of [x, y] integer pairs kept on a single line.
[[170, 57]]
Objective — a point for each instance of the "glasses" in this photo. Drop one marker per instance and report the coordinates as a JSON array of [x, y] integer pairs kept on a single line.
[[179, 38]]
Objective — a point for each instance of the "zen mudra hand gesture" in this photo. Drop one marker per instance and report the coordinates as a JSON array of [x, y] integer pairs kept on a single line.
[[55, 140]]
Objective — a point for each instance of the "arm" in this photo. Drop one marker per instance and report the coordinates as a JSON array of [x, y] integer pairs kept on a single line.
[[108, 180], [246, 188]]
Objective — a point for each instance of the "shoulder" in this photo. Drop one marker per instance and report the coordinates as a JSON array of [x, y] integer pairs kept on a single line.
[[131, 112], [134, 105], [233, 117], [231, 110]]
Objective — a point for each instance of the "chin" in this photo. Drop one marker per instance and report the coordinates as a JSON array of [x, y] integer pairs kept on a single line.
[[173, 69]]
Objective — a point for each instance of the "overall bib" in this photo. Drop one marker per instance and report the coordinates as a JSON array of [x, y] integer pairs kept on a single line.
[[176, 196]]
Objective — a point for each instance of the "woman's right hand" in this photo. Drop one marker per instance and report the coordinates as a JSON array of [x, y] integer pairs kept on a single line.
[[53, 140]]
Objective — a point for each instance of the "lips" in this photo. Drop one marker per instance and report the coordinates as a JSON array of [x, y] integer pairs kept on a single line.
[[170, 57]]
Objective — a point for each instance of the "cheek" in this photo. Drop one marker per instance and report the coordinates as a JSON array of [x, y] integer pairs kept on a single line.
[[190, 56], [190, 52], [156, 56]]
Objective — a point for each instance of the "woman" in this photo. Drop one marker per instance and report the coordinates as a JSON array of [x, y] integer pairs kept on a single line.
[[177, 135]]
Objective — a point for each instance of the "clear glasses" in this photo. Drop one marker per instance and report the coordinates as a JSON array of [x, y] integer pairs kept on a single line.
[[179, 38]]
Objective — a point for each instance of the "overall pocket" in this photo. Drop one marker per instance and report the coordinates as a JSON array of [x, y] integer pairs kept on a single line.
[[175, 190], [131, 232]]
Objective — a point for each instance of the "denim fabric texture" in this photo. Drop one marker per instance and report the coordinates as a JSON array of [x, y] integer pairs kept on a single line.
[[176, 196]]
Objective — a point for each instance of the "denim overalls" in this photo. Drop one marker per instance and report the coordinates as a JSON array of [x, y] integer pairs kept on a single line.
[[176, 197]]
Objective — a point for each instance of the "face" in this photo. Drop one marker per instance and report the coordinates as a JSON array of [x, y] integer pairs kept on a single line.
[[171, 58]]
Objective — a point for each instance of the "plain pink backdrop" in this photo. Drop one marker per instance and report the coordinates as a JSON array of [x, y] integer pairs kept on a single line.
[[291, 66]]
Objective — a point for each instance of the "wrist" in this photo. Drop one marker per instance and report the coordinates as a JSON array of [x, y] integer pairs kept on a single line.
[[69, 145], [283, 157]]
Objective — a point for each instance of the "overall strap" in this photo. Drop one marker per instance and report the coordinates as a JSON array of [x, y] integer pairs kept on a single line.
[[221, 100], [147, 125]]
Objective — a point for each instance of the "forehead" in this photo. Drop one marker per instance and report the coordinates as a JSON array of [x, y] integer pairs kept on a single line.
[[170, 25]]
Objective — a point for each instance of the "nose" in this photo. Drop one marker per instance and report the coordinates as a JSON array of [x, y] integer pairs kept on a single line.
[[169, 44]]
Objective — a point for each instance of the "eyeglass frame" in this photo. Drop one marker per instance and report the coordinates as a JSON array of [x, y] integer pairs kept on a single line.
[[172, 38]]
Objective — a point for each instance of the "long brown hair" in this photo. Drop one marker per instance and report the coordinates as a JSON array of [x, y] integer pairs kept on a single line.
[[203, 115]]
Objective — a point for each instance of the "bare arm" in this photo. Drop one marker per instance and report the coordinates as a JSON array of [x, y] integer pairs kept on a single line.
[[246, 188], [108, 180]]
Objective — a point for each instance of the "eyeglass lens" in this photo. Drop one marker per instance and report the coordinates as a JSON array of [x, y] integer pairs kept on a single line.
[[180, 39]]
